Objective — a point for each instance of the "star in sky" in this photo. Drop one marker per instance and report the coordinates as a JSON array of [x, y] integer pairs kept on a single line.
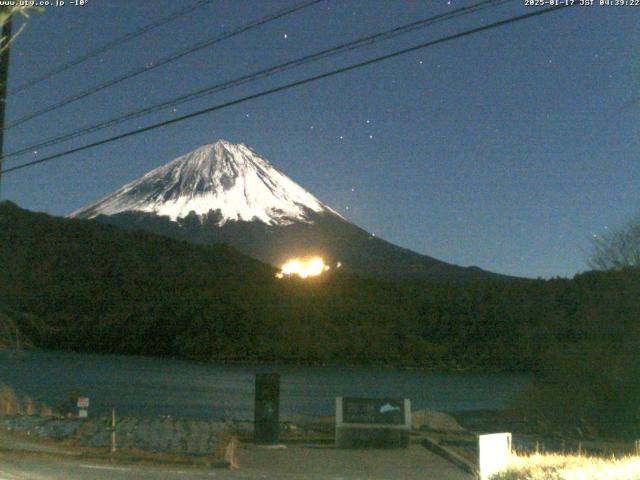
[[461, 101]]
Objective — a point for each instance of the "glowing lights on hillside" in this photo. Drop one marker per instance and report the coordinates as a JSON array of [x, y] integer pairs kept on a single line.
[[303, 268]]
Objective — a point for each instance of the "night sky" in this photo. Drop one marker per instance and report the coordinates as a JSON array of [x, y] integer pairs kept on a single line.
[[508, 150]]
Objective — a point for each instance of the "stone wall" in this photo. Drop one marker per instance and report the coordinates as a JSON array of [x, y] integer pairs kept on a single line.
[[160, 434]]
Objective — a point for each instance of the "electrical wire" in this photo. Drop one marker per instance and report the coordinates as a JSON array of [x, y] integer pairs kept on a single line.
[[291, 85], [110, 45], [164, 61], [359, 43]]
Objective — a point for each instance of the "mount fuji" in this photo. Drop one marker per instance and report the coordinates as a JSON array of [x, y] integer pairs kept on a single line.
[[227, 193]]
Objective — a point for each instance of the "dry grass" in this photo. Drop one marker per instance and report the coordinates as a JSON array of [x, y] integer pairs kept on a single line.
[[12, 404], [570, 467], [226, 449], [9, 401]]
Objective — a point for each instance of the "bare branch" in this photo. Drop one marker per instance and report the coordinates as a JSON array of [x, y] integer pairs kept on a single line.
[[617, 249]]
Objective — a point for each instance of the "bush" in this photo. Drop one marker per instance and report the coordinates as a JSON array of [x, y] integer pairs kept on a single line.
[[589, 389], [12, 404]]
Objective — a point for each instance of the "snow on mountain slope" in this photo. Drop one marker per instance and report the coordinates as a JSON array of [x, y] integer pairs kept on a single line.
[[243, 201], [222, 176]]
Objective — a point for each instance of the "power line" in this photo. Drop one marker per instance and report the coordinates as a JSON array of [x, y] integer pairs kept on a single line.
[[359, 43], [291, 85], [165, 60], [110, 45]]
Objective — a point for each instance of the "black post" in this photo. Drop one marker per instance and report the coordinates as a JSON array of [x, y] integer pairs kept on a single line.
[[4, 75], [267, 409]]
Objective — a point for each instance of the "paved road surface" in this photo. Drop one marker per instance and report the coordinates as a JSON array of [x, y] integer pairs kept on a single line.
[[69, 469], [255, 463], [414, 463]]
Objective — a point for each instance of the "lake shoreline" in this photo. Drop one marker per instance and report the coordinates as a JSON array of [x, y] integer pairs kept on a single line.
[[452, 367], [136, 385]]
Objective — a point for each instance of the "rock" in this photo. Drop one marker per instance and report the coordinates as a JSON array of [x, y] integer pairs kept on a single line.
[[58, 429], [311, 423], [160, 434], [433, 420], [241, 426], [23, 423]]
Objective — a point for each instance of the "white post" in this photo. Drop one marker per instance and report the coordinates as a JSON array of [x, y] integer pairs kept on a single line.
[[113, 430], [493, 452]]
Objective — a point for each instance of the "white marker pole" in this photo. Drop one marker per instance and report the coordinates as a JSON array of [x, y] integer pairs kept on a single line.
[[113, 430]]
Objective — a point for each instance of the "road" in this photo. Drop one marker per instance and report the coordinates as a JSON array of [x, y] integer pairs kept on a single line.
[[67, 469], [309, 463]]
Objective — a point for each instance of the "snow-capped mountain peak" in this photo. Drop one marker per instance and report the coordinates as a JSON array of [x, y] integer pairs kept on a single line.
[[223, 176]]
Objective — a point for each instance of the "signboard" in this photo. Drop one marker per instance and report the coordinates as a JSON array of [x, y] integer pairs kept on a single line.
[[379, 411], [373, 422], [267, 409], [83, 402], [82, 413], [494, 451]]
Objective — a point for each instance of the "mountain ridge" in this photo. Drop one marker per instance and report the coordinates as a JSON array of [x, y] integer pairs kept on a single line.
[[223, 176], [227, 193]]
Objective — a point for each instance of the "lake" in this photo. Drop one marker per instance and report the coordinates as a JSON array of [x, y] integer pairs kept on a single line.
[[148, 386]]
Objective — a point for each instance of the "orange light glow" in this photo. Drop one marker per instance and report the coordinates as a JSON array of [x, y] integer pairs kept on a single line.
[[303, 268]]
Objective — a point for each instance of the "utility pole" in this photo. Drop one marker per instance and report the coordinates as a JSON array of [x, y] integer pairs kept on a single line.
[[4, 75]]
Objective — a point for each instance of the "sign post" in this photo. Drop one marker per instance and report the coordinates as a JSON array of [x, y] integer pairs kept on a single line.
[[373, 422], [493, 451], [83, 407], [267, 409]]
